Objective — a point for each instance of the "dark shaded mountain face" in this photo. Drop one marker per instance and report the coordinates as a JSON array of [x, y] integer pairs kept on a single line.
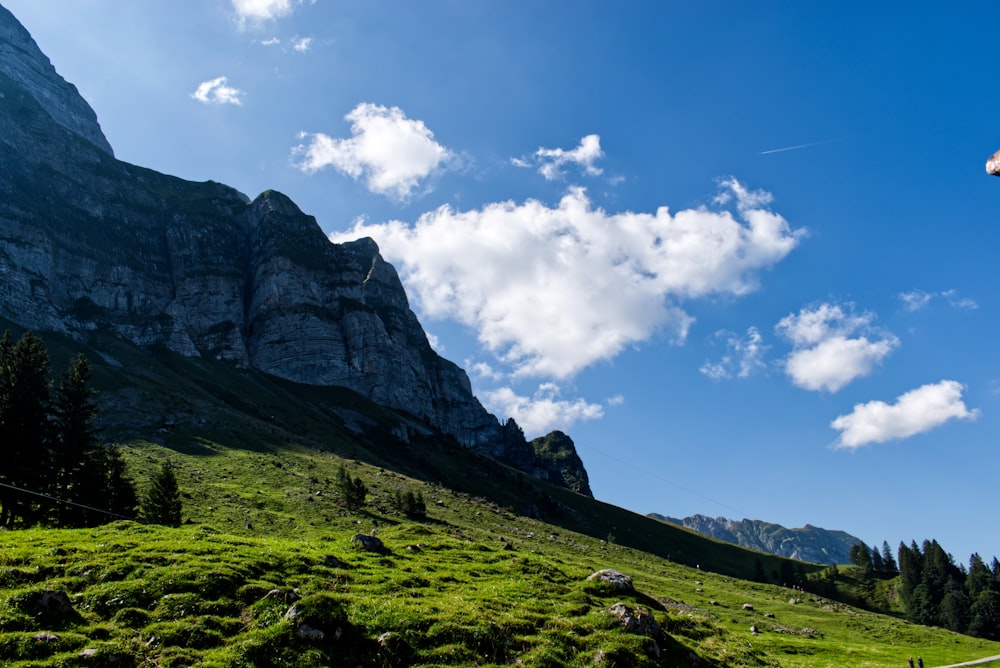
[[813, 544], [91, 244]]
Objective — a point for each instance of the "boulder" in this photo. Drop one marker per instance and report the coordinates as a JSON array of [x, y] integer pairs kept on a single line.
[[616, 579]]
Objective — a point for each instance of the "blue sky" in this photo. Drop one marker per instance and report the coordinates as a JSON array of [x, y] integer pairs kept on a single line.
[[743, 253]]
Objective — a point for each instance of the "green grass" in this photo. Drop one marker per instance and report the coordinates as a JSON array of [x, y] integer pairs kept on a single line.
[[475, 584]]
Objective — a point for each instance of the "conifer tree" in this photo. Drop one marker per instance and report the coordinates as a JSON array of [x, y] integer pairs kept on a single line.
[[121, 496], [162, 501], [25, 455], [891, 569], [79, 462]]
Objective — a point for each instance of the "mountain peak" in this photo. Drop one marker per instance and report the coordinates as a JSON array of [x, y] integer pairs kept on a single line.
[[22, 61]]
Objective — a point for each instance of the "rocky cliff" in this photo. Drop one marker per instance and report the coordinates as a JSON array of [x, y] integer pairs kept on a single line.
[[89, 243], [809, 543]]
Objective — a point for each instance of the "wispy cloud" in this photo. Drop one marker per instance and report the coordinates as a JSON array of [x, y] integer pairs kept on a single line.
[[833, 346], [302, 44], [915, 300], [218, 91], [551, 161], [552, 290], [744, 356], [914, 412], [391, 152]]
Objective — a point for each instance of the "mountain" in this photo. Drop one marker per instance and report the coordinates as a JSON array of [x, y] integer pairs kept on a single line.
[[812, 544], [93, 245]]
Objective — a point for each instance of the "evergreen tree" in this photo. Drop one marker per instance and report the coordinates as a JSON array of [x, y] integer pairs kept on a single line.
[[911, 570], [25, 455], [162, 502], [79, 460], [121, 496], [887, 560], [877, 564], [979, 579], [352, 491], [862, 558], [985, 615]]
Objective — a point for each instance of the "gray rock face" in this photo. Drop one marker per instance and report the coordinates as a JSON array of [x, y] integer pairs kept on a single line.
[[23, 62], [809, 543], [91, 243]]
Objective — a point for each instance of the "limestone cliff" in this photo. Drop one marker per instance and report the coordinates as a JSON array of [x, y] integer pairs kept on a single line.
[[89, 243]]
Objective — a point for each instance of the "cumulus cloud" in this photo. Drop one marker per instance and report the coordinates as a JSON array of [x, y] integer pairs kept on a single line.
[[913, 413], [391, 152], [552, 160], [832, 347], [259, 11], [744, 356], [218, 91], [551, 290], [918, 299], [302, 44], [542, 412]]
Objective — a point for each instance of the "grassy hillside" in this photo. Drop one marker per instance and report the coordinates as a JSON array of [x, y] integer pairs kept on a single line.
[[264, 573], [474, 584]]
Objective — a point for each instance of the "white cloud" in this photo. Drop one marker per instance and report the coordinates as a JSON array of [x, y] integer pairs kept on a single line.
[[390, 151], [272, 41], [218, 91], [826, 356], [616, 400], [302, 44], [544, 411], [552, 160], [918, 299], [744, 356], [258, 11], [914, 412], [551, 290]]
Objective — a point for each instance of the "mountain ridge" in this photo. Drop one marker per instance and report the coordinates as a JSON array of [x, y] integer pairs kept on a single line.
[[808, 543]]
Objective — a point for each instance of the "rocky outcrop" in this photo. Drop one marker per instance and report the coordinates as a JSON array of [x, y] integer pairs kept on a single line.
[[556, 459], [809, 543], [91, 243], [23, 62]]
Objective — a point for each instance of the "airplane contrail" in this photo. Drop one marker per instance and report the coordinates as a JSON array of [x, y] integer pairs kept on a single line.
[[798, 146]]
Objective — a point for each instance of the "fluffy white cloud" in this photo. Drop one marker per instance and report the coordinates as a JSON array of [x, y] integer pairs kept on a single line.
[[543, 412], [390, 151], [915, 412], [552, 290], [826, 356], [258, 11], [744, 356], [218, 91], [302, 44], [552, 160]]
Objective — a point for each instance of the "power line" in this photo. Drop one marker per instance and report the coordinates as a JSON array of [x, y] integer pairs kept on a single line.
[[68, 503]]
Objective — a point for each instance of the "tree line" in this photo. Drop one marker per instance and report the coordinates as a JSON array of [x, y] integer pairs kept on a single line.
[[54, 468], [933, 590]]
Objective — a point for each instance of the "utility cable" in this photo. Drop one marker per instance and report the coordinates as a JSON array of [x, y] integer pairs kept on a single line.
[[68, 503]]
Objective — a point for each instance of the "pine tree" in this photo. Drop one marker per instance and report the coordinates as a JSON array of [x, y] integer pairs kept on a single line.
[[25, 455], [79, 460], [121, 496], [891, 569], [352, 491], [162, 501]]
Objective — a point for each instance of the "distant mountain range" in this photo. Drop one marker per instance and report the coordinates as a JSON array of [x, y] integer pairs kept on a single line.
[[813, 544]]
